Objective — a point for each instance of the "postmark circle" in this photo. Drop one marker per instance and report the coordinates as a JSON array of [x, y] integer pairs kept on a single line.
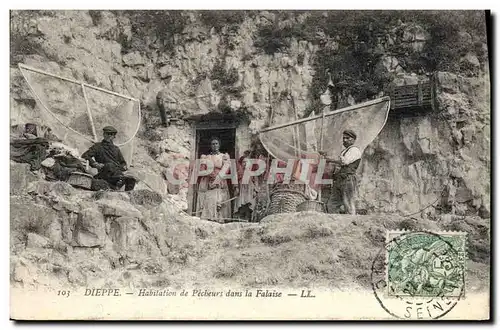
[[419, 275]]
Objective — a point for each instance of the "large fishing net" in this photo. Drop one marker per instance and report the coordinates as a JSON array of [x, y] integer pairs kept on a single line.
[[305, 137], [77, 112]]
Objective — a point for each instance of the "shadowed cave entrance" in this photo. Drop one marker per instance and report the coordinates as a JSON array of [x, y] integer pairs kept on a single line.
[[226, 132]]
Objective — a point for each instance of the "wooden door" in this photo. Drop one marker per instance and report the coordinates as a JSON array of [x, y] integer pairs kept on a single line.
[[202, 133]]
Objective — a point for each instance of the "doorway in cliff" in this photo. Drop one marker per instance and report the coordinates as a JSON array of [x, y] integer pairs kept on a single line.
[[204, 131]]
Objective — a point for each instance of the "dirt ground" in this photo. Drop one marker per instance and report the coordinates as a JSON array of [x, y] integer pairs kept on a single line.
[[303, 249]]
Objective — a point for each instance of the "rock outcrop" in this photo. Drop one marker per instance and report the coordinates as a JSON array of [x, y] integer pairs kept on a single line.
[[417, 160], [120, 240]]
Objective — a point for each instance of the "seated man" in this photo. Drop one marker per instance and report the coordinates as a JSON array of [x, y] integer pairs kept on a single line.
[[108, 159]]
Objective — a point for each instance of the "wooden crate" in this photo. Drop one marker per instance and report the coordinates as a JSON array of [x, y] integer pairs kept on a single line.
[[421, 96]]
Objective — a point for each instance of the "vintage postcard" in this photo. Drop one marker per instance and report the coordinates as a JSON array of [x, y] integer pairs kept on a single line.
[[249, 165]]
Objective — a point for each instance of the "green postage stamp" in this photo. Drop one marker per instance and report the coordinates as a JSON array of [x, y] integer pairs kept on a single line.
[[425, 264]]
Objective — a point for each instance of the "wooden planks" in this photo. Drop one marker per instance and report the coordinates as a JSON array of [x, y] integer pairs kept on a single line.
[[421, 95]]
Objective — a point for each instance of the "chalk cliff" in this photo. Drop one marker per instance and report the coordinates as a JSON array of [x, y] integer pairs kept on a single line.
[[246, 63]]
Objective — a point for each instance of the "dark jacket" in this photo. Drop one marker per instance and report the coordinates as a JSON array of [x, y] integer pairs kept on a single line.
[[106, 153]]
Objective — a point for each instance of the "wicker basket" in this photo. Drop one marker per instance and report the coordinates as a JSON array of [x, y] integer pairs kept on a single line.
[[285, 201], [311, 206], [81, 180]]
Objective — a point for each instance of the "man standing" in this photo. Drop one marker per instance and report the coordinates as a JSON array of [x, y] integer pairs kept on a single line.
[[108, 159], [344, 185]]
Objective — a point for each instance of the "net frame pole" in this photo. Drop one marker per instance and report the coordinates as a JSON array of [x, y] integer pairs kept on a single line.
[[335, 112], [89, 113], [268, 196], [330, 83], [321, 145], [44, 106], [321, 131], [296, 130], [26, 67], [22, 66]]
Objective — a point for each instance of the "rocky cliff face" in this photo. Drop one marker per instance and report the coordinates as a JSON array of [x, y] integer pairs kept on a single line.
[[62, 237], [440, 158], [222, 69]]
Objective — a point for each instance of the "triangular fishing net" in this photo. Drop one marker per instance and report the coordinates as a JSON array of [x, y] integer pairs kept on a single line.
[[78, 112], [122, 114], [305, 137]]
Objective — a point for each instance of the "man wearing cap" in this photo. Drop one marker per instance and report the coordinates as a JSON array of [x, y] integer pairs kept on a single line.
[[108, 159], [345, 183]]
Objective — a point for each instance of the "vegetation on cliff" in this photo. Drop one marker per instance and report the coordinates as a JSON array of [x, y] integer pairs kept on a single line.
[[280, 53], [361, 38]]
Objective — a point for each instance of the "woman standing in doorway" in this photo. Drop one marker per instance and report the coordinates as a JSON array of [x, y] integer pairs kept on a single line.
[[212, 193]]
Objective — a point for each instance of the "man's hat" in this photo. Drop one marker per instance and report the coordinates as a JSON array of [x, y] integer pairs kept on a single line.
[[109, 129], [350, 133]]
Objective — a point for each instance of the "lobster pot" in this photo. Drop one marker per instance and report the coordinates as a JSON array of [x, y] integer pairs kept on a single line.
[[311, 206], [285, 201], [80, 180]]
